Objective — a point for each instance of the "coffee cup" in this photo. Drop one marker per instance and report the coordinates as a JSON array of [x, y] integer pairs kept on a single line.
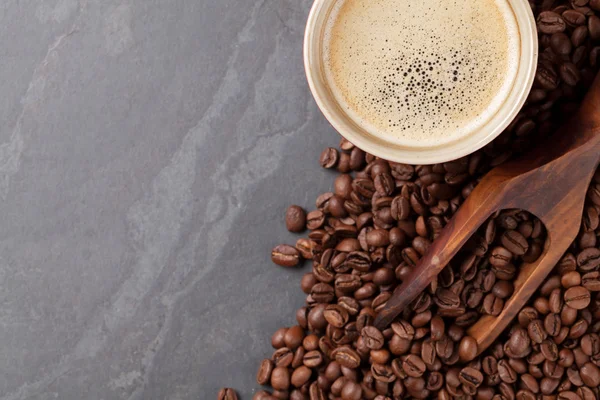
[[420, 82]]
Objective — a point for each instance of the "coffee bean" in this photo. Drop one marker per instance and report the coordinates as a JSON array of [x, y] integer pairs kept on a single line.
[[280, 378], [262, 395], [403, 329], [378, 238], [500, 257], [549, 23], [316, 320], [322, 293], [492, 305], [552, 324], [351, 391], [264, 372], [359, 261], [573, 18], [372, 337], [414, 366], [278, 338], [283, 357], [506, 372], [346, 357], [546, 76], [549, 349], [227, 394], [555, 301], [445, 298], [300, 376], [400, 208], [383, 373], [590, 375], [570, 74], [578, 329], [594, 27], [514, 242], [295, 219], [503, 289], [311, 342], [285, 255], [470, 376], [467, 349], [329, 158], [589, 259], [315, 392], [335, 315], [343, 164], [577, 297], [519, 342]]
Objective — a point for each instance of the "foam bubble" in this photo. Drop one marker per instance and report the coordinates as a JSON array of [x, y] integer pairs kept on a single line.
[[423, 72]]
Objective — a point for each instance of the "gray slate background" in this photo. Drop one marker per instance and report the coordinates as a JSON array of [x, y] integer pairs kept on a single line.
[[148, 150]]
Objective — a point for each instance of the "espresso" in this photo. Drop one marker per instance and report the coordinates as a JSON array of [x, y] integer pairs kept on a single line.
[[421, 73]]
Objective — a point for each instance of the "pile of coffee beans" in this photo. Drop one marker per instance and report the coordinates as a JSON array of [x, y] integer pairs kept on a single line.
[[369, 232]]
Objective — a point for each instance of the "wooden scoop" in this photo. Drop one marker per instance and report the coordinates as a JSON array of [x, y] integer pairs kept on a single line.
[[551, 183]]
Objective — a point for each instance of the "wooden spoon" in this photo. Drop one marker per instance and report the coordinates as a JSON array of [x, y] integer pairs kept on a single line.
[[551, 183]]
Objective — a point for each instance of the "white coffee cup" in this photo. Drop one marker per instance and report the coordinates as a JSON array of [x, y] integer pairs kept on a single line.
[[378, 145]]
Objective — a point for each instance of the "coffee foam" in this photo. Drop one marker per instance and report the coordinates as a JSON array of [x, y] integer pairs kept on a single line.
[[424, 72]]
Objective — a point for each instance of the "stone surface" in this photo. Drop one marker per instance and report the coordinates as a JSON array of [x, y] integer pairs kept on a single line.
[[148, 150]]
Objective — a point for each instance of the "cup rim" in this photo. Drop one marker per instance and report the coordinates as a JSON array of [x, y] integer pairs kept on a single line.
[[410, 155]]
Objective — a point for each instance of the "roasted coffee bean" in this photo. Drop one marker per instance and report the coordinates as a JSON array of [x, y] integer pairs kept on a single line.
[[594, 27], [470, 376], [300, 376], [263, 375], [311, 342], [227, 394], [445, 298], [552, 324], [527, 315], [590, 375], [372, 337], [590, 344], [382, 373], [555, 301], [295, 219], [500, 257], [316, 320], [577, 297], [278, 338], [549, 349], [589, 259], [347, 357], [283, 357], [359, 261], [570, 74], [536, 331], [403, 329], [549, 23], [573, 18], [280, 378], [503, 289], [514, 242], [546, 76], [414, 366], [336, 315], [322, 293], [285, 255], [570, 279], [506, 372], [467, 349], [519, 342], [329, 158]]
